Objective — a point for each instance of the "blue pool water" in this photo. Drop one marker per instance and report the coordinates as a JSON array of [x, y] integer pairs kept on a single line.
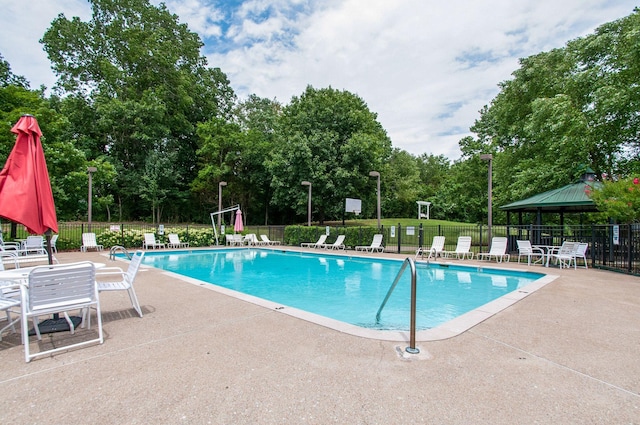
[[348, 289]]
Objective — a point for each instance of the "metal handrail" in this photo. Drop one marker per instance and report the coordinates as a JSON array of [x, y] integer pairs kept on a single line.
[[412, 341], [114, 249]]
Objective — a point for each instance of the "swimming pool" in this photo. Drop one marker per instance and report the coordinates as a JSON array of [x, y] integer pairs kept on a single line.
[[347, 289]]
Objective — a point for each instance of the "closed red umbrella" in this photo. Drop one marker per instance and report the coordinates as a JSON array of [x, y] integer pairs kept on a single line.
[[25, 189], [26, 197]]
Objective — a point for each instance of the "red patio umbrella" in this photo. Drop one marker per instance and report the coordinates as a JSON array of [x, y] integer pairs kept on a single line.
[[25, 189], [25, 193]]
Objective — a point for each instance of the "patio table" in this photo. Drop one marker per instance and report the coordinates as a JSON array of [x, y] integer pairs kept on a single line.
[[549, 250]]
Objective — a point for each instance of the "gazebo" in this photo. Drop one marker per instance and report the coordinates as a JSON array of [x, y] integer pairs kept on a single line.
[[572, 198]]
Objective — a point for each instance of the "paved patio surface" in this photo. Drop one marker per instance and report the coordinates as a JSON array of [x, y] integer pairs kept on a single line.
[[566, 354]]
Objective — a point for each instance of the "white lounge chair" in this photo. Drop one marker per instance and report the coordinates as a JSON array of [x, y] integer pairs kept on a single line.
[[498, 250], [150, 242], [89, 242], [59, 289], [318, 244], [124, 281], [376, 245], [252, 239], [436, 249], [174, 241], [526, 250], [267, 241], [463, 249], [338, 244]]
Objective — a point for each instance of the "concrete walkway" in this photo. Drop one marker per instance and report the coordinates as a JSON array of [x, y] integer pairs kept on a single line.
[[566, 354]]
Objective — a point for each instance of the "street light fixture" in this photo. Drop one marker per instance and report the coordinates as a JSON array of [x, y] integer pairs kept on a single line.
[[220, 204], [306, 183], [377, 174], [488, 157], [90, 170]]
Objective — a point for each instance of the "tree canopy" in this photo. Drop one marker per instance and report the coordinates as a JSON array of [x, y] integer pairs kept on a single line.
[[136, 100]]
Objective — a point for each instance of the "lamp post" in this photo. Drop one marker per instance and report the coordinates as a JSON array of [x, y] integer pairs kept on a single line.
[[377, 174], [306, 183], [90, 170], [488, 157], [220, 204]]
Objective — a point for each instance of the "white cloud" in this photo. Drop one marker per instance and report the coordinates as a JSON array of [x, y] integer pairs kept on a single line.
[[201, 17], [424, 67]]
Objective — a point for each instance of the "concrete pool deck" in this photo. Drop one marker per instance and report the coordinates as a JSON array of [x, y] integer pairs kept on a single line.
[[567, 353]]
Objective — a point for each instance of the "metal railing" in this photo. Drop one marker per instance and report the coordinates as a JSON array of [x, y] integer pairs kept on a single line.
[[412, 332]]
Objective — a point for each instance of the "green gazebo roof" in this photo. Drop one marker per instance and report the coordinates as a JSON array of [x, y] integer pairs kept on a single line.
[[569, 198]]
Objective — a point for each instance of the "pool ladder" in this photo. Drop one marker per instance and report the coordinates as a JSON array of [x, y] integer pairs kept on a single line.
[[115, 249], [411, 349]]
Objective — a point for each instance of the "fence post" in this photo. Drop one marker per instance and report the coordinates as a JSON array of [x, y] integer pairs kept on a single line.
[[630, 250], [420, 236], [399, 237]]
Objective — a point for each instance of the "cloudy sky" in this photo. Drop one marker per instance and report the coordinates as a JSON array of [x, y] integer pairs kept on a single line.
[[425, 67]]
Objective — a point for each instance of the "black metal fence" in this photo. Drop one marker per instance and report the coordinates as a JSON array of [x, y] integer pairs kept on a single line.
[[611, 247]]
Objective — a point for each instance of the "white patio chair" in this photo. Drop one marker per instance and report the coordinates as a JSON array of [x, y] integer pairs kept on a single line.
[[59, 289], [564, 255], [436, 249], [9, 303], [463, 249], [89, 242], [34, 245], [526, 250], [124, 280], [8, 257], [54, 240], [150, 242], [19, 257], [268, 241], [376, 245], [321, 240], [498, 250], [174, 241], [8, 246], [580, 252]]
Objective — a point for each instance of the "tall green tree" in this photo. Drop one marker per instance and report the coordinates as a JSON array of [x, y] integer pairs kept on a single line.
[[332, 139], [257, 118], [401, 185], [569, 106], [138, 85]]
